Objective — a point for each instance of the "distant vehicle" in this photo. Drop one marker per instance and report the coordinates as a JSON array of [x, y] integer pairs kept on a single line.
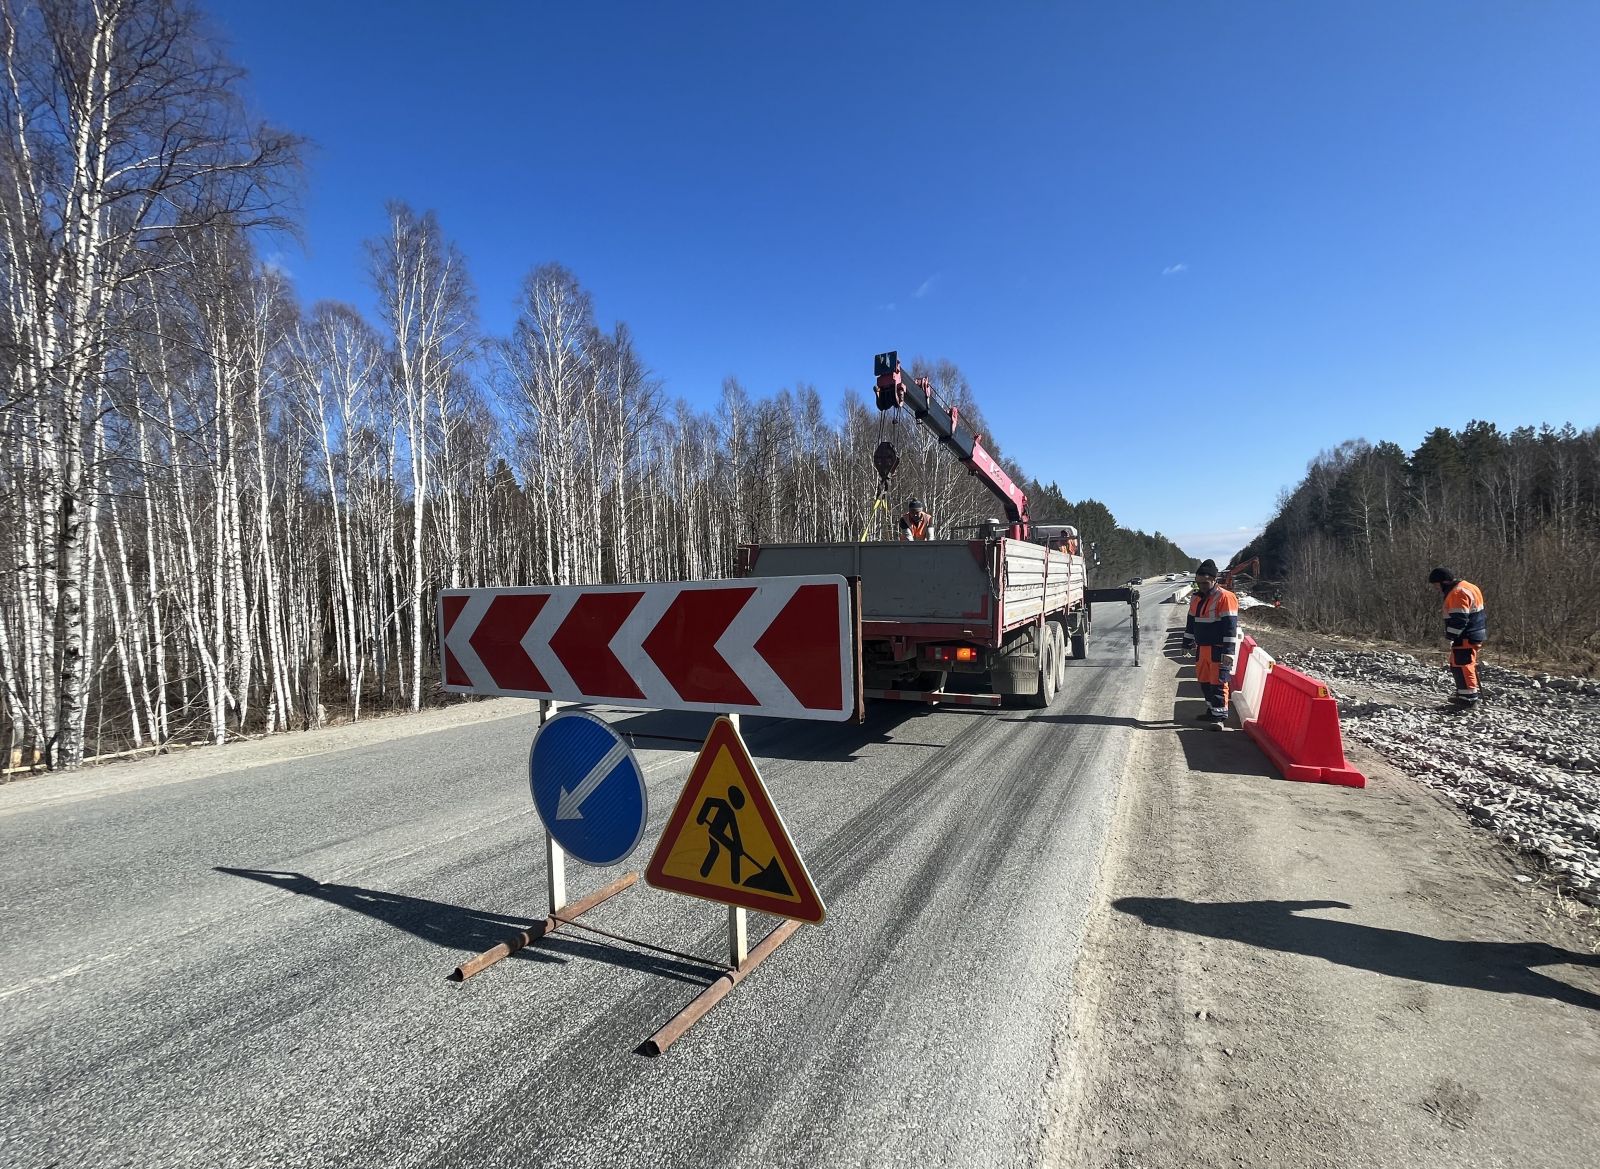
[[1133, 580]]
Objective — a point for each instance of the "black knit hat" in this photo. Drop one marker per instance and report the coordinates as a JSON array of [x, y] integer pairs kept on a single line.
[[1207, 568], [1442, 575]]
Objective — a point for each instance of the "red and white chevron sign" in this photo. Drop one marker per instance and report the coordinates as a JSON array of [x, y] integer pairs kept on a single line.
[[780, 646]]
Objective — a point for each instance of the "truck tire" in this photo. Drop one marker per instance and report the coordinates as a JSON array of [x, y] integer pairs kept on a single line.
[[1049, 669], [1059, 633]]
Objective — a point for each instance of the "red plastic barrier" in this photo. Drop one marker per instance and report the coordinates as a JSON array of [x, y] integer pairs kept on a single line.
[[1245, 646], [1298, 728]]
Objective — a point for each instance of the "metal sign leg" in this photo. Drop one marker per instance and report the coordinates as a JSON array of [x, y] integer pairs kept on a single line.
[[555, 860], [738, 919], [556, 872]]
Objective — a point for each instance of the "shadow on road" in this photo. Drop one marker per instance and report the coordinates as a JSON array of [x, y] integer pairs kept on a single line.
[[1501, 967], [1231, 753], [456, 927], [775, 738]]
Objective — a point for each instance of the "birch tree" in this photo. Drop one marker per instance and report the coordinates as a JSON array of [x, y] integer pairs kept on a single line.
[[120, 125], [425, 299], [548, 363]]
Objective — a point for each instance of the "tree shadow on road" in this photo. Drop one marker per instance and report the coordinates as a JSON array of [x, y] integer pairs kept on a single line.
[[776, 738], [456, 927], [1500, 967]]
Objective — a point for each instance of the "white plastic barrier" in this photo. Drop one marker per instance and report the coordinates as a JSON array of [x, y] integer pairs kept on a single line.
[[1247, 696]]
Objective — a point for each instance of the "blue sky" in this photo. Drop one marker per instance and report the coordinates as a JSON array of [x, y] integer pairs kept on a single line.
[[1178, 248]]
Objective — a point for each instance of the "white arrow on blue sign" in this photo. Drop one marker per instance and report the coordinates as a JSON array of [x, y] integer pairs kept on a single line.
[[588, 788]]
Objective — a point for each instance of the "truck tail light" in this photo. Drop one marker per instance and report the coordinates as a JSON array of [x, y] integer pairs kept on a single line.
[[953, 653]]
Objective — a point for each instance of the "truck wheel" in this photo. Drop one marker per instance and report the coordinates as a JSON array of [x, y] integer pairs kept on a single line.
[[1046, 693], [1059, 633]]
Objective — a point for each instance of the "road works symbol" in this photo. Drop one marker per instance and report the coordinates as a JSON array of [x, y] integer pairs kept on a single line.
[[726, 842], [587, 787]]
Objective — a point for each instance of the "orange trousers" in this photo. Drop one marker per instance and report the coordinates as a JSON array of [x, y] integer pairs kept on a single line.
[[1208, 672], [1464, 665]]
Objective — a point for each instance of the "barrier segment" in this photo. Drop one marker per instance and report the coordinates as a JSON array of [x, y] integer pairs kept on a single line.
[[1298, 729], [1240, 661], [1247, 694]]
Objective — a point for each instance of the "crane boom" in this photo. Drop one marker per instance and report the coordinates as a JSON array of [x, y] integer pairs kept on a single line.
[[895, 388], [1250, 568]]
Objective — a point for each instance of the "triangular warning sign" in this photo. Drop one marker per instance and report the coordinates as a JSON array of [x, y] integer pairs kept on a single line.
[[726, 842]]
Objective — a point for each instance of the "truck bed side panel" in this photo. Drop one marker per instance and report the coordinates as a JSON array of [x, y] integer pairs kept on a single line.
[[1038, 581], [944, 582]]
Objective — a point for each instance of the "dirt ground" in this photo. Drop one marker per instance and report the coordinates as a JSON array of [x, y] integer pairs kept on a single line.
[[1297, 974]]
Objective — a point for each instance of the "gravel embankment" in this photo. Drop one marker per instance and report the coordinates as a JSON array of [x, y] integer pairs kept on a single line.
[[1525, 764]]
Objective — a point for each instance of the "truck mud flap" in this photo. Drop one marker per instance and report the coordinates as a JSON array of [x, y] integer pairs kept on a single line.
[[936, 697]]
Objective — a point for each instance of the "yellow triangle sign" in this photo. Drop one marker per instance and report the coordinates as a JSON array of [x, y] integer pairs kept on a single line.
[[726, 842]]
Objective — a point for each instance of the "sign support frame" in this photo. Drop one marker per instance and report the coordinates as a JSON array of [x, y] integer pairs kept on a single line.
[[556, 889], [742, 958]]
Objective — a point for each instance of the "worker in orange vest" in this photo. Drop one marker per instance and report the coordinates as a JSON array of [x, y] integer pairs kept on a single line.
[[1466, 626], [1212, 632], [916, 524]]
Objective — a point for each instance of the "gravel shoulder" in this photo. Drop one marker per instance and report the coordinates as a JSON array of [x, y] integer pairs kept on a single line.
[[1525, 765], [1294, 974]]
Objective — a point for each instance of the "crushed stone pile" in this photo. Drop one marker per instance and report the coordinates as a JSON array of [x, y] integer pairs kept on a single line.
[[1525, 764]]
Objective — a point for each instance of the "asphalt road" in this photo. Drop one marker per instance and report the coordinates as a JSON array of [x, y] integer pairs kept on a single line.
[[249, 968]]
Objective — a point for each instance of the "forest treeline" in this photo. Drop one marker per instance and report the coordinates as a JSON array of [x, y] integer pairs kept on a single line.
[[1517, 513], [1123, 553], [228, 512]]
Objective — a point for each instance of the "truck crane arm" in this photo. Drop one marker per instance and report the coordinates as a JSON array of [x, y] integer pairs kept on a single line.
[[895, 388]]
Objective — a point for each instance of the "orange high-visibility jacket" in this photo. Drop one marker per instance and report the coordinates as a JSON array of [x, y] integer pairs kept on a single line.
[[1464, 615], [916, 529], [1214, 621]]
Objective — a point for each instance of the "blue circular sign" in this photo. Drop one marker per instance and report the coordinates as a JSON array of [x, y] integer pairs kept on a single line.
[[588, 788]]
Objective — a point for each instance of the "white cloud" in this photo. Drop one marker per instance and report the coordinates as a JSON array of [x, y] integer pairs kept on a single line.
[[926, 286], [1175, 270], [275, 263], [1216, 545]]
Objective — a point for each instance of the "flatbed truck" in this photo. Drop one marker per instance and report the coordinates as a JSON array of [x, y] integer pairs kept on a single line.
[[1009, 607]]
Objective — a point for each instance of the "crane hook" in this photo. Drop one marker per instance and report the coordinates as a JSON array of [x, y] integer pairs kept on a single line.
[[887, 460]]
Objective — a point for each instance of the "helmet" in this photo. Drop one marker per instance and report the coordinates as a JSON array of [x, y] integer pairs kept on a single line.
[[1441, 576], [913, 505]]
